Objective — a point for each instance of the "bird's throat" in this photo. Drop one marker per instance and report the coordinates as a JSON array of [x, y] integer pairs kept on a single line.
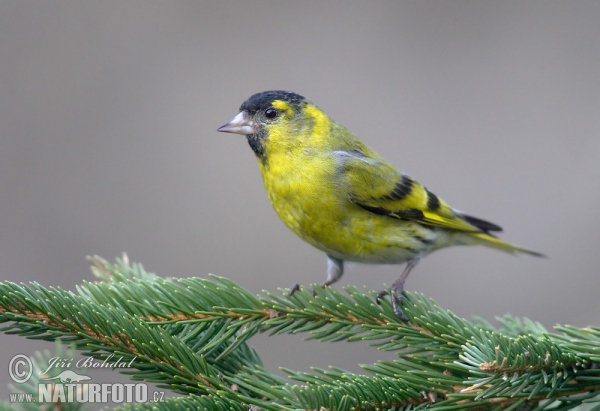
[[257, 144]]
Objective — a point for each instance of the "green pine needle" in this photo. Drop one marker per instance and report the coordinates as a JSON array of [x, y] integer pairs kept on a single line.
[[191, 336]]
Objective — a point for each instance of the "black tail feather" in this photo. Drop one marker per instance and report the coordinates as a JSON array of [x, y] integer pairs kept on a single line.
[[483, 225]]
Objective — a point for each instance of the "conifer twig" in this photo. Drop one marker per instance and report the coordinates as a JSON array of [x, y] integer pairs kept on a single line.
[[191, 336]]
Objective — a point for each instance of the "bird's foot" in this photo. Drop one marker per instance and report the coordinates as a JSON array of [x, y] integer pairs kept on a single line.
[[380, 295], [296, 287], [396, 297], [397, 288]]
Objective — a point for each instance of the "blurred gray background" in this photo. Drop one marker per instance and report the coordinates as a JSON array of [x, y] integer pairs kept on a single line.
[[108, 143]]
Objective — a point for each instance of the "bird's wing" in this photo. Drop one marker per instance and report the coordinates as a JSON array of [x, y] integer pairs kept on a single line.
[[378, 187]]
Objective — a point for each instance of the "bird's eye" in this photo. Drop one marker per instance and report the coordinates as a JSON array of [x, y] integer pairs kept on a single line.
[[270, 113]]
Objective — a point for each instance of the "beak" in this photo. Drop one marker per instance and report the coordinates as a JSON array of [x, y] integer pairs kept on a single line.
[[240, 124]]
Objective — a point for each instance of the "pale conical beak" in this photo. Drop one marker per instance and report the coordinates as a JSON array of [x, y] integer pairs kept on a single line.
[[240, 124]]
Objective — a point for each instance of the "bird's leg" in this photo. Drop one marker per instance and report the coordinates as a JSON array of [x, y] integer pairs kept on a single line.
[[397, 288], [335, 270]]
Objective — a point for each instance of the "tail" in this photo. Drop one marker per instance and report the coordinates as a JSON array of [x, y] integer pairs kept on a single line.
[[494, 242], [486, 238]]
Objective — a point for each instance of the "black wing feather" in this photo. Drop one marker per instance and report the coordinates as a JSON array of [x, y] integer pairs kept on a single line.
[[483, 225]]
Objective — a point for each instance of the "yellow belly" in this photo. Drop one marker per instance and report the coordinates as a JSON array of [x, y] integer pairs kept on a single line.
[[312, 206]]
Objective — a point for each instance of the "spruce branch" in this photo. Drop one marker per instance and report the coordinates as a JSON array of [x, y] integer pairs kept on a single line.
[[191, 336]]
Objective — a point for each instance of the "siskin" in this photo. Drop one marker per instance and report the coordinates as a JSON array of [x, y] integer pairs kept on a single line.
[[342, 197]]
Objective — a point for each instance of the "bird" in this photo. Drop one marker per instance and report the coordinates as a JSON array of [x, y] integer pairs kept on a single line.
[[343, 198]]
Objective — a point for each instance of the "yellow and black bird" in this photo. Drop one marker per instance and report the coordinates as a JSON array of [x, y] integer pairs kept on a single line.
[[342, 197]]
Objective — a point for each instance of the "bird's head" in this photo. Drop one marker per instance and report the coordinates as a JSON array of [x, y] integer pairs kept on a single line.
[[265, 114]]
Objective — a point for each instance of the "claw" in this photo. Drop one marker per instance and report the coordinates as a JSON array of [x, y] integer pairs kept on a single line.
[[397, 298], [380, 295], [295, 287]]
